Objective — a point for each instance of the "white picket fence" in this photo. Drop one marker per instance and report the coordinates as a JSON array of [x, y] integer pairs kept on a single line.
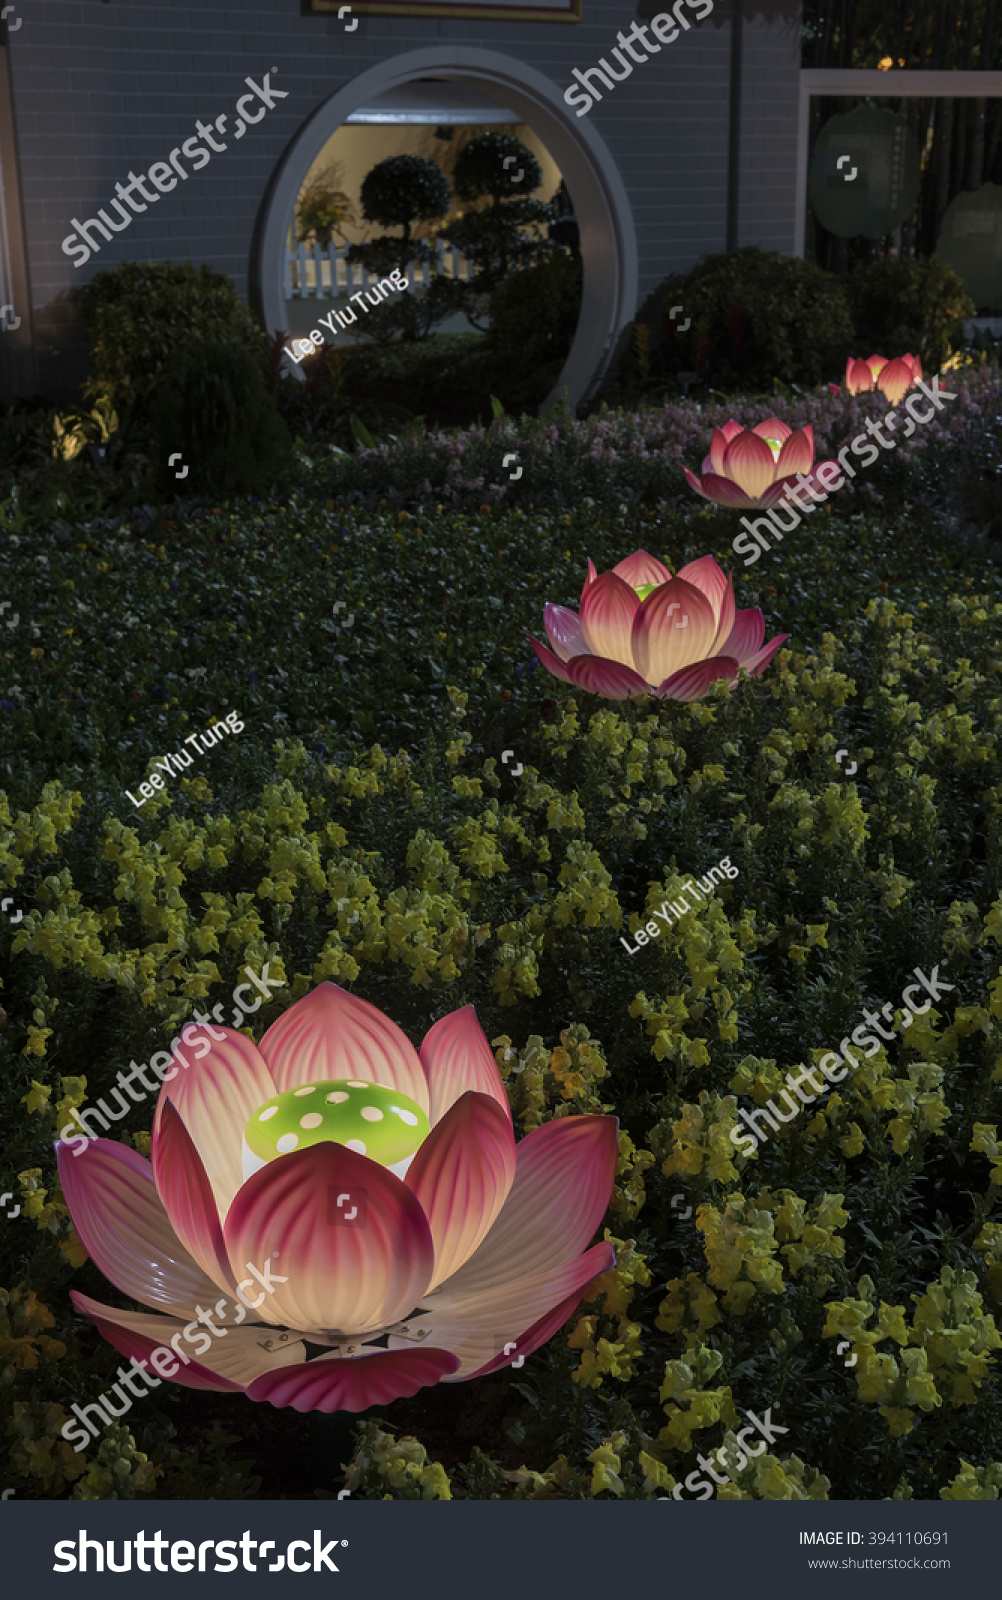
[[321, 271]]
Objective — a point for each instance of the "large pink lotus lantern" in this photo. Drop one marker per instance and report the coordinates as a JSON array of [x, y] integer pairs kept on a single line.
[[641, 631], [376, 1193], [892, 378], [752, 466]]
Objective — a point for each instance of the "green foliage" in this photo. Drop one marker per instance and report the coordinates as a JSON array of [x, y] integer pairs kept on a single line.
[[403, 190], [212, 405], [363, 827], [506, 235], [139, 315], [757, 315], [396, 193], [901, 306], [534, 317], [480, 168], [322, 210]]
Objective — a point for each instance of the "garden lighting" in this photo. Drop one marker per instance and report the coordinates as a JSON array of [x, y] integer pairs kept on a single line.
[[641, 631], [749, 467], [892, 378], [387, 1283]]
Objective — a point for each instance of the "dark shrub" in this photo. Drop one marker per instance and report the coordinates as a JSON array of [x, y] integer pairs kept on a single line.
[[212, 405], [139, 314], [902, 306], [756, 315], [534, 316]]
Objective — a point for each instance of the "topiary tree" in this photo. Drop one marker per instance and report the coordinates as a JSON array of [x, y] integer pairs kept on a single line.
[[139, 314], [754, 315], [397, 193], [493, 238], [903, 306], [212, 405]]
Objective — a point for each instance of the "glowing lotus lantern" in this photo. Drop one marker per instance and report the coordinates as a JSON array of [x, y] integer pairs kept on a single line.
[[752, 466], [892, 378], [641, 631], [409, 1239]]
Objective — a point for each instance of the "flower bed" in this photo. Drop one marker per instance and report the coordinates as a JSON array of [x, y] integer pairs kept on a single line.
[[366, 829]]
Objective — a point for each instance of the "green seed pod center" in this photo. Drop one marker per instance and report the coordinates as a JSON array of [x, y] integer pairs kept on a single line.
[[383, 1124]]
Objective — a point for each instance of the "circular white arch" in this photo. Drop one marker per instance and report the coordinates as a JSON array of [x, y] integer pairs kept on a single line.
[[605, 218]]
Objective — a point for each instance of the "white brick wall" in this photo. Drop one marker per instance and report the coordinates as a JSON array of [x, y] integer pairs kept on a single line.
[[104, 85]]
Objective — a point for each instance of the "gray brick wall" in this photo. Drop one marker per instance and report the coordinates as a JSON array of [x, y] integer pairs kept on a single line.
[[102, 86]]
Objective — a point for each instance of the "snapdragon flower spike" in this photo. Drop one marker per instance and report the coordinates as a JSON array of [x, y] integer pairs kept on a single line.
[[751, 466], [407, 1238], [640, 631]]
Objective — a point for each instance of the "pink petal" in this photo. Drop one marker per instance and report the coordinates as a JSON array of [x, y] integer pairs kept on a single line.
[[718, 588], [547, 659], [876, 365], [456, 1058], [563, 629], [718, 444], [109, 1325], [329, 1384], [758, 663], [607, 678], [772, 428], [333, 1034], [707, 466], [235, 1358], [215, 1098], [640, 569], [564, 1172], [858, 377], [125, 1230], [187, 1195], [356, 1278], [478, 1327], [608, 608], [895, 380], [725, 493], [748, 462], [592, 572], [601, 1257], [777, 493], [696, 483], [660, 645], [745, 638], [797, 454], [461, 1177], [693, 682]]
